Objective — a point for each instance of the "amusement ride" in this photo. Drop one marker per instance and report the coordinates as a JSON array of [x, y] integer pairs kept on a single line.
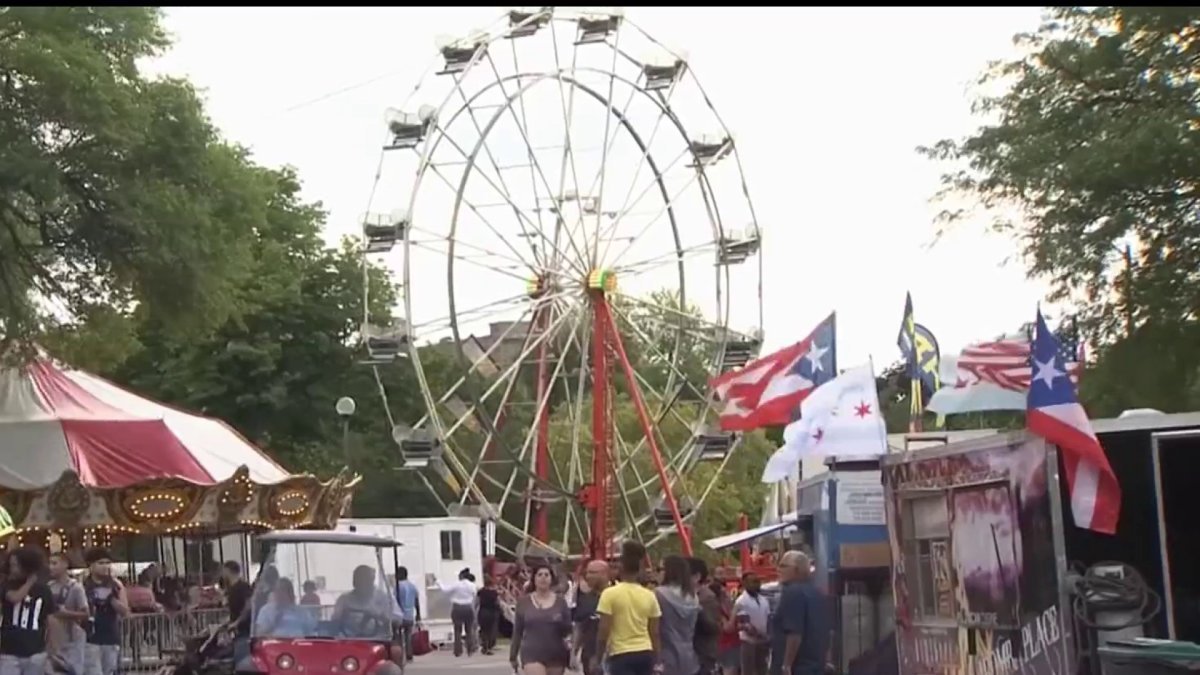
[[570, 225]]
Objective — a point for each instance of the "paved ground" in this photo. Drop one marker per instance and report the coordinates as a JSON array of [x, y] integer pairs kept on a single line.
[[444, 663]]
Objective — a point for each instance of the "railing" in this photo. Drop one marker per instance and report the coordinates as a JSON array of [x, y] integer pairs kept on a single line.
[[149, 641]]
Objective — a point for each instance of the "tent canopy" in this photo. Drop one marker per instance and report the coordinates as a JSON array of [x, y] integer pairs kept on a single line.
[[54, 419], [726, 540]]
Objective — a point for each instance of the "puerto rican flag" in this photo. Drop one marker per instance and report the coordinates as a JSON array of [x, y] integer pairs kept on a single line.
[[1054, 413], [767, 391]]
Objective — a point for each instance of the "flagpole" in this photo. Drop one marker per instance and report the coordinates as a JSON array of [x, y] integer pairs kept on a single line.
[[871, 365]]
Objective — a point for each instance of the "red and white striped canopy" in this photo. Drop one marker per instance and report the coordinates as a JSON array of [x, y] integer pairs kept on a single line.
[[53, 418]]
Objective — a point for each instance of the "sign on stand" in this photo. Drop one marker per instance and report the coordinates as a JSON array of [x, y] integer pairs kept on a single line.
[[860, 498]]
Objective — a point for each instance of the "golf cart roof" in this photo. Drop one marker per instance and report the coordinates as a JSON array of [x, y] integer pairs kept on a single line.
[[327, 537]]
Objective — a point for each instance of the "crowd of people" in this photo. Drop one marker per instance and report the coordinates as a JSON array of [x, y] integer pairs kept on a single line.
[[675, 620], [50, 622]]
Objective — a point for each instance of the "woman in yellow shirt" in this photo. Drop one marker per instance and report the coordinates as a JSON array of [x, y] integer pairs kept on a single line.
[[629, 615]]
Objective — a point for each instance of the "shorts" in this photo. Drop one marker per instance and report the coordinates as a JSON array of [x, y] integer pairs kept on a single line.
[[101, 659]]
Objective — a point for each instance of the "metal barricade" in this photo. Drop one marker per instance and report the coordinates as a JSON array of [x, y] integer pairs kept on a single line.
[[148, 641]]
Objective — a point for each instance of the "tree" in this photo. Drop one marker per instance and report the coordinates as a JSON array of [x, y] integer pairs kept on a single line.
[[275, 370], [1091, 144], [116, 193]]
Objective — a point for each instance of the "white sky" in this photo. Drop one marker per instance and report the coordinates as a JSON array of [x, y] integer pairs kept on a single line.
[[827, 106]]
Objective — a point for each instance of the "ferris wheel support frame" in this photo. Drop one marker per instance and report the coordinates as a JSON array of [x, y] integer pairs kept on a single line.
[[607, 333]]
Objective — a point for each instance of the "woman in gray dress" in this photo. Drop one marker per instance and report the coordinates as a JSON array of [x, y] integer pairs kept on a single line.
[[541, 625]]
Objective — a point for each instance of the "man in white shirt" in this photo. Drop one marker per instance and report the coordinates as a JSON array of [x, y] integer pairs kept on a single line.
[[753, 611], [462, 594]]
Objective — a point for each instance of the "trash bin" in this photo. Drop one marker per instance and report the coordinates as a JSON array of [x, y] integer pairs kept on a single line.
[[1149, 657]]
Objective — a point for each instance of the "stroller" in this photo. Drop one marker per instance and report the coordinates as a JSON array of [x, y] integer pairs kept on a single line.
[[209, 653]]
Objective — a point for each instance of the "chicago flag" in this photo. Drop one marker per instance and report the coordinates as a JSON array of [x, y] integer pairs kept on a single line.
[[1054, 413], [768, 391]]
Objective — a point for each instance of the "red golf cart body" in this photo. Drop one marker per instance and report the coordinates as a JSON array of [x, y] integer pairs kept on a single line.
[[314, 641]]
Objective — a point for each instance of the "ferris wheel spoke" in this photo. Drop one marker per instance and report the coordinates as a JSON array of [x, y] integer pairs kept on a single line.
[[542, 410], [436, 237], [507, 270], [642, 162], [484, 310], [666, 358], [486, 357], [624, 491], [612, 80], [716, 328], [567, 106], [511, 372], [506, 193], [529, 229], [537, 165], [611, 231], [672, 258], [487, 222], [498, 421], [665, 208], [529, 150]]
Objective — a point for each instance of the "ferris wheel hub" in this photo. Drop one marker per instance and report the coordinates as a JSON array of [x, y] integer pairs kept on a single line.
[[602, 280]]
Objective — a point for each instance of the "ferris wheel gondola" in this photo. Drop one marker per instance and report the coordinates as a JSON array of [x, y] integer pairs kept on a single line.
[[577, 255]]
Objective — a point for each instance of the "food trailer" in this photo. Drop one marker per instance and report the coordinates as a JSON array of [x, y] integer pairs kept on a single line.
[[978, 558], [990, 575]]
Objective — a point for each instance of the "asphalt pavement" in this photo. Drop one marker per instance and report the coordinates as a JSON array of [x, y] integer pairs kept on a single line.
[[445, 663]]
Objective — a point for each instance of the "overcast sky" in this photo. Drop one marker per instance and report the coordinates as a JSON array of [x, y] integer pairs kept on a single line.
[[826, 105]]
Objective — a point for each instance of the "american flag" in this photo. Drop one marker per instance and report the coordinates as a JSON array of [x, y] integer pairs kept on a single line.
[[1006, 362]]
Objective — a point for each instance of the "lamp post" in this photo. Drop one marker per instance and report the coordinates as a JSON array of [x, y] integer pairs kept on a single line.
[[345, 408]]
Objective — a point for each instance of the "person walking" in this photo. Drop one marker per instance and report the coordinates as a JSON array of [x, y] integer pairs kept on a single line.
[[462, 594], [25, 610], [72, 604], [752, 612], [585, 636], [708, 623], [489, 615], [409, 601], [106, 599], [680, 610], [629, 619], [800, 625], [541, 624]]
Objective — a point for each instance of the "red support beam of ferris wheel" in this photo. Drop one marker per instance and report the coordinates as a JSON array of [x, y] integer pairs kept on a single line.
[[603, 313], [600, 425], [542, 456]]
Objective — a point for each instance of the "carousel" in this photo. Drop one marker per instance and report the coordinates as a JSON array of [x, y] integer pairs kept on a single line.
[[82, 461]]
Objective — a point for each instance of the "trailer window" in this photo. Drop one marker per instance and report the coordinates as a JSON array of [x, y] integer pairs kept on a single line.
[[452, 545], [927, 552]]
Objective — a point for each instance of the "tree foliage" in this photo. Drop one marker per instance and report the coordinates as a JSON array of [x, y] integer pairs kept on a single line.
[[1092, 141], [1089, 154], [115, 190]]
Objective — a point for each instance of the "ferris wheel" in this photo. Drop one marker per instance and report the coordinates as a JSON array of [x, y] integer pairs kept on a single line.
[[577, 253]]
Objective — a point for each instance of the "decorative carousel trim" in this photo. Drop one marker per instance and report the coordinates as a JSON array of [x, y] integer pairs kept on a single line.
[[173, 506]]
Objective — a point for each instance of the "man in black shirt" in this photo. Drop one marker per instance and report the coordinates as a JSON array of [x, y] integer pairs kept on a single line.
[[587, 619], [25, 610], [106, 600], [237, 595]]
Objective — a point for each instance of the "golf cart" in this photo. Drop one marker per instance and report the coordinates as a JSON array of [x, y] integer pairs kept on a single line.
[[343, 623]]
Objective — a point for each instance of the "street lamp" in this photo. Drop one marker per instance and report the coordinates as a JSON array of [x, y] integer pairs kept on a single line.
[[345, 408]]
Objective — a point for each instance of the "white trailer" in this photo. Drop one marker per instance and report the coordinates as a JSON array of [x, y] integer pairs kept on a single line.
[[432, 548]]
